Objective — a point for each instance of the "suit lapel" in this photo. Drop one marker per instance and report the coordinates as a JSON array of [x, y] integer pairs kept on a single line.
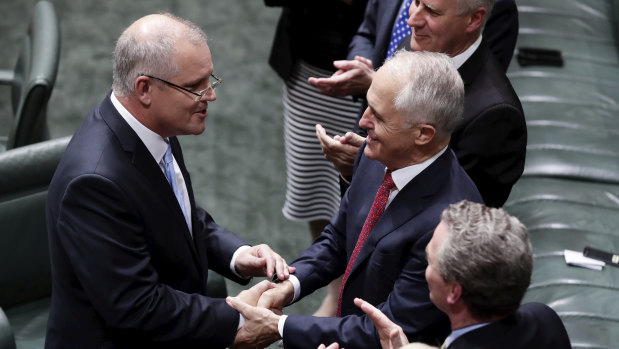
[[407, 204], [143, 161]]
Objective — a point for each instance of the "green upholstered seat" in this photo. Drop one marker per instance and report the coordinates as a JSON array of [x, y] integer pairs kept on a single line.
[[33, 78], [568, 196]]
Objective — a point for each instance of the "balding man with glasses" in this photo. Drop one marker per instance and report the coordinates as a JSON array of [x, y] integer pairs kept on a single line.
[[130, 248]]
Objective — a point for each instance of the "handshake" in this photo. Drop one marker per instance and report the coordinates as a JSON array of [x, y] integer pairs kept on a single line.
[[261, 307]]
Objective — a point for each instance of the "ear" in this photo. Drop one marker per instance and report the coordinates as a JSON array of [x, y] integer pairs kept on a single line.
[[475, 19], [455, 293], [425, 134], [142, 89]]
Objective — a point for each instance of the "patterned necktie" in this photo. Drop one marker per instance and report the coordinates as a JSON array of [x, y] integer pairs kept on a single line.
[[400, 28], [168, 161], [378, 207]]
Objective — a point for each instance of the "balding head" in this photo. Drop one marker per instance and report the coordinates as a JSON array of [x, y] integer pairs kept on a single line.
[[148, 46]]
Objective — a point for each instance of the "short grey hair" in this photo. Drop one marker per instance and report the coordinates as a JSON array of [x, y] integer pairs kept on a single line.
[[488, 253], [431, 92], [153, 54], [468, 6]]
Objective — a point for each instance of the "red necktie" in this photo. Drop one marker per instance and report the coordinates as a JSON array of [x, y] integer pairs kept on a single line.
[[378, 207]]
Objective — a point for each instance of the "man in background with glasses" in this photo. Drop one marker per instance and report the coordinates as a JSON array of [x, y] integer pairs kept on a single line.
[[130, 248]]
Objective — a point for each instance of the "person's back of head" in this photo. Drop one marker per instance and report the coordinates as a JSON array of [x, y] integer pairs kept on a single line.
[[488, 253]]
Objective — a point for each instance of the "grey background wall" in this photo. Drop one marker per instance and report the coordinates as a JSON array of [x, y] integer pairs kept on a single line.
[[237, 166]]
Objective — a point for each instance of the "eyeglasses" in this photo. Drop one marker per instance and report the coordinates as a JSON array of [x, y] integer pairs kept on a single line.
[[211, 85]]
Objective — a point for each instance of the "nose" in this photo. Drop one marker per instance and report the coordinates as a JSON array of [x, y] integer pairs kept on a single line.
[[209, 95], [413, 18], [365, 119]]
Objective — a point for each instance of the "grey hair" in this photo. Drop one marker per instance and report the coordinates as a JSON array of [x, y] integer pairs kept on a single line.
[[431, 92], [468, 6], [488, 253], [153, 55]]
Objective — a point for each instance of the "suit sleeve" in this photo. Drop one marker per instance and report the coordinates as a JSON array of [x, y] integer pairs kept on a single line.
[[103, 237], [220, 244], [408, 305], [491, 149], [362, 44]]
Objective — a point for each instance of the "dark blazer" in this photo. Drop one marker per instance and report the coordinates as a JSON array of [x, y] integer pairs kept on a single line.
[[390, 269], [125, 269], [374, 33], [491, 140], [534, 326]]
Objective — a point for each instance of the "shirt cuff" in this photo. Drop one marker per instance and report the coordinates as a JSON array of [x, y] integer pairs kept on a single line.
[[297, 287], [232, 262], [280, 325], [241, 322]]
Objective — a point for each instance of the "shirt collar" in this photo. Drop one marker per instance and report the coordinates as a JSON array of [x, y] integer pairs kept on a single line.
[[464, 56], [461, 331], [155, 144], [404, 175]]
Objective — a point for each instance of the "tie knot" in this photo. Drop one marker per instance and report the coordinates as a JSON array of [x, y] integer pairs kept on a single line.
[[388, 183], [167, 157]]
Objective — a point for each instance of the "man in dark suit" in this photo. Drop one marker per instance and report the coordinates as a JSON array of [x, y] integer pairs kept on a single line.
[[130, 248], [490, 143], [479, 267], [408, 143]]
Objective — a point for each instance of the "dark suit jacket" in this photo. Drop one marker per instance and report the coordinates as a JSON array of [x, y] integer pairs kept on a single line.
[[374, 33], [491, 140], [534, 326], [125, 270], [390, 269]]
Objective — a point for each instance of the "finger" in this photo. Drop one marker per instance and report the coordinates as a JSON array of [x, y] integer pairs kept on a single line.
[[279, 268], [346, 65], [377, 316], [269, 259], [291, 270], [365, 61], [322, 346]]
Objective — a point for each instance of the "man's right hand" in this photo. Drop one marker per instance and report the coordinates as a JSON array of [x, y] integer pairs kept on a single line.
[[352, 78], [391, 335], [341, 151]]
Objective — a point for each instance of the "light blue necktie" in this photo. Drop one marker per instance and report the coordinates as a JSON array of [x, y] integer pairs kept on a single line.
[[400, 28], [168, 161]]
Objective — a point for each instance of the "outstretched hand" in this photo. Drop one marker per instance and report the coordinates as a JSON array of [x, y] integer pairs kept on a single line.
[[260, 260], [352, 78], [341, 151], [391, 335]]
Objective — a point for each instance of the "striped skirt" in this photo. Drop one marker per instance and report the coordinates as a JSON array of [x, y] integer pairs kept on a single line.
[[312, 183]]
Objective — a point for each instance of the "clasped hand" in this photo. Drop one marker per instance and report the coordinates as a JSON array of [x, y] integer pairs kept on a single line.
[[261, 307]]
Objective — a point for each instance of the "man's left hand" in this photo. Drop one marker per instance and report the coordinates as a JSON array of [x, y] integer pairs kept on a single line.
[[260, 260]]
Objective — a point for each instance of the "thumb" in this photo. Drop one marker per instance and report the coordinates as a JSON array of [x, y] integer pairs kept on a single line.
[[262, 286], [354, 139], [344, 65], [237, 304]]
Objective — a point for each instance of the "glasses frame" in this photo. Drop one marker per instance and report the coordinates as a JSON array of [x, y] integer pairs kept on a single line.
[[211, 85]]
